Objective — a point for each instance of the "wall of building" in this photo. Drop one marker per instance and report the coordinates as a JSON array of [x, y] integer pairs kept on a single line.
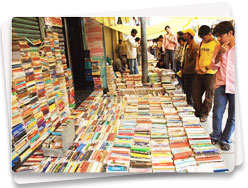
[[111, 42]]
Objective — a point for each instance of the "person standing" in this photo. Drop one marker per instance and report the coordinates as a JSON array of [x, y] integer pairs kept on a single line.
[[188, 63], [169, 44], [224, 85], [160, 41], [122, 53], [178, 57], [132, 52], [205, 77]]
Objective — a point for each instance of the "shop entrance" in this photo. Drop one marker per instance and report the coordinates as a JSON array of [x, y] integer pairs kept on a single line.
[[76, 58]]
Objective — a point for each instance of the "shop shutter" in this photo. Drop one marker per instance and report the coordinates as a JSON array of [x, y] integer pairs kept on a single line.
[[28, 27]]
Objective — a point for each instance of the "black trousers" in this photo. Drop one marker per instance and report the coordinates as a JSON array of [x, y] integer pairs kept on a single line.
[[187, 87], [169, 59]]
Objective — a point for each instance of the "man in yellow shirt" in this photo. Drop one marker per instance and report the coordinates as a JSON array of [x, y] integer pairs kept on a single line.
[[205, 77]]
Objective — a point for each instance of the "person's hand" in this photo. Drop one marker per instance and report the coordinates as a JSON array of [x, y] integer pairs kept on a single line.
[[224, 47]]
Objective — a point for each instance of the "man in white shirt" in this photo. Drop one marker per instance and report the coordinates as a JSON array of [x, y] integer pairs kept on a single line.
[[132, 52]]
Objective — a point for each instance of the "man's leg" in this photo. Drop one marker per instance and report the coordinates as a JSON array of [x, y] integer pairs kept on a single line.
[[130, 63], [166, 59], [123, 63], [135, 66], [208, 82], [230, 124], [173, 66], [220, 100], [188, 80], [197, 92]]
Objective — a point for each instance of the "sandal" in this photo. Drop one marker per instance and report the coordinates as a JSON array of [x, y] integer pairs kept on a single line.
[[225, 147], [203, 119], [213, 141]]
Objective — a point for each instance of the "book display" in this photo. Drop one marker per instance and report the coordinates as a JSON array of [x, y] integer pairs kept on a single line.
[[110, 80], [40, 94], [139, 134]]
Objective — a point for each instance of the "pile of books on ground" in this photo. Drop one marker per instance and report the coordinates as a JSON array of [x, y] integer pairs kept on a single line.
[[153, 77], [110, 80], [166, 76], [205, 153], [134, 133], [169, 88], [140, 151]]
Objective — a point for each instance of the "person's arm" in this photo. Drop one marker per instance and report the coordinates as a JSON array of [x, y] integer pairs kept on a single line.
[[216, 58], [173, 39], [133, 43]]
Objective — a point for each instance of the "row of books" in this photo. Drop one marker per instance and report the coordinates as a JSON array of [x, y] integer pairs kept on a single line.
[[110, 80], [39, 94], [134, 133]]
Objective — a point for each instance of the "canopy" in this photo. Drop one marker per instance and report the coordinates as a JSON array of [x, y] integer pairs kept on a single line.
[[175, 23]]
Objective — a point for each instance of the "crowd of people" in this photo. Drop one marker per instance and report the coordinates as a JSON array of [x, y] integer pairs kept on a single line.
[[203, 70]]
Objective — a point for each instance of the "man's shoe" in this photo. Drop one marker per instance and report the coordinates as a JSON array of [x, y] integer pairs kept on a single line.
[[203, 119]]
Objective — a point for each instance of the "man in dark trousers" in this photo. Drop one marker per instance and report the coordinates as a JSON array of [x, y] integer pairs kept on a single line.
[[188, 64], [205, 77]]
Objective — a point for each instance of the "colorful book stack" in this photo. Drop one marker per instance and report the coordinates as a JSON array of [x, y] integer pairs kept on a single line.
[[63, 79], [47, 63], [132, 134], [88, 70], [119, 158], [140, 151], [138, 81], [160, 148], [96, 74], [166, 76], [161, 156], [200, 142], [39, 115], [32, 164], [182, 153], [169, 88], [41, 95], [110, 80], [22, 115], [70, 89], [29, 115], [152, 77]]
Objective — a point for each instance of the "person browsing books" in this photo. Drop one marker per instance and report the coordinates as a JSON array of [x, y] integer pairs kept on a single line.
[[224, 85], [205, 77], [188, 63]]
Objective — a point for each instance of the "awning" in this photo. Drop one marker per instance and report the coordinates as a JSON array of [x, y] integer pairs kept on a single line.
[[176, 24]]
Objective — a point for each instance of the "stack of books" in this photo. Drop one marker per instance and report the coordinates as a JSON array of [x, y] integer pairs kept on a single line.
[[166, 76], [161, 156], [70, 89], [140, 151], [169, 88], [110, 80], [153, 77], [120, 152]]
